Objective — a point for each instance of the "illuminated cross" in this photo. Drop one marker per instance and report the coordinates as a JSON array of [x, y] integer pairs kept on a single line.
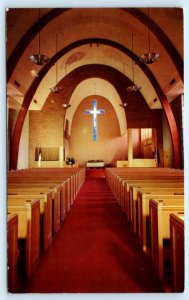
[[95, 112]]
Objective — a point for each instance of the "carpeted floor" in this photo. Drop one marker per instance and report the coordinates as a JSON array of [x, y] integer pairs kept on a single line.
[[95, 250]]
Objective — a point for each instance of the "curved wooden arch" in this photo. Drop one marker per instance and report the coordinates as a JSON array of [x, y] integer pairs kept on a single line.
[[135, 101], [31, 91], [157, 31]]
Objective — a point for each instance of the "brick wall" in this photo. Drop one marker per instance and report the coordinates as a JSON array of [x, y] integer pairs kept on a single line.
[[46, 130]]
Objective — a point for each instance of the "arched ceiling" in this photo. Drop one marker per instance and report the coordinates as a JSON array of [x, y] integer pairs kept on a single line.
[[85, 55], [107, 33], [97, 86], [77, 24]]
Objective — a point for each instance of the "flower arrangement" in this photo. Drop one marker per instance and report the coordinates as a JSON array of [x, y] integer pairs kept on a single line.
[[70, 161]]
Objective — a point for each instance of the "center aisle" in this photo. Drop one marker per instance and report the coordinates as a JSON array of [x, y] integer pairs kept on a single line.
[[95, 250]]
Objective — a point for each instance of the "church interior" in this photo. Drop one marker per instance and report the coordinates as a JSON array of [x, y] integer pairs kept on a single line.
[[95, 156]]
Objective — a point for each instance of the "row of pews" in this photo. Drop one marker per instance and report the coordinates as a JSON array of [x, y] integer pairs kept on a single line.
[[153, 202], [38, 200]]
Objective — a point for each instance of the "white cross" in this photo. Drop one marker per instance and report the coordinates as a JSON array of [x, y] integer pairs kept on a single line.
[[94, 112]]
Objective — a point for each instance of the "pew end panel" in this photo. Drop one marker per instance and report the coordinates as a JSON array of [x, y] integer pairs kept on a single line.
[[149, 188], [177, 251], [12, 227], [28, 232], [160, 211], [143, 214], [20, 195]]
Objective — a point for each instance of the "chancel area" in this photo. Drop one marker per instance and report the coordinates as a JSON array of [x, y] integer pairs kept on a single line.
[[95, 156]]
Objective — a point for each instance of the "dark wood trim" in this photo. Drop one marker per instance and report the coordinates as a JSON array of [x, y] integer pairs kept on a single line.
[[31, 91]]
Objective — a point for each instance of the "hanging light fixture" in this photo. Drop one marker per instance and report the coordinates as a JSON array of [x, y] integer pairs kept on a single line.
[[56, 89], [133, 88], [39, 59], [150, 57]]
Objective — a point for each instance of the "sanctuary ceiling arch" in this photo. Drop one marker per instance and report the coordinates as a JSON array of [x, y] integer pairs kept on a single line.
[[119, 40]]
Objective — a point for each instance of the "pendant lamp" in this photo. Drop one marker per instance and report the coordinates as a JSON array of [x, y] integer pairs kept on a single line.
[[150, 57], [56, 89], [133, 88], [39, 59]]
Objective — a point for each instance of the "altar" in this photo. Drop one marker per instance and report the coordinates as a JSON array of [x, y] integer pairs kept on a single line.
[[95, 164]]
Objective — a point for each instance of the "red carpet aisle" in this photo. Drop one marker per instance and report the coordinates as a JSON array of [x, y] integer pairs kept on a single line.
[[95, 250]]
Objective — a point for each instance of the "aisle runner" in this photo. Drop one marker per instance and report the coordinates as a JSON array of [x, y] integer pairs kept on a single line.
[[95, 250]]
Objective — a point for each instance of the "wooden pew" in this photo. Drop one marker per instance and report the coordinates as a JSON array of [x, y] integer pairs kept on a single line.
[[32, 183], [42, 177], [123, 191], [45, 199], [12, 227], [160, 211], [120, 183], [43, 188], [113, 174], [143, 214], [39, 177], [177, 251], [138, 173], [76, 177], [28, 212], [42, 180], [132, 187], [151, 187], [73, 179], [70, 180]]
